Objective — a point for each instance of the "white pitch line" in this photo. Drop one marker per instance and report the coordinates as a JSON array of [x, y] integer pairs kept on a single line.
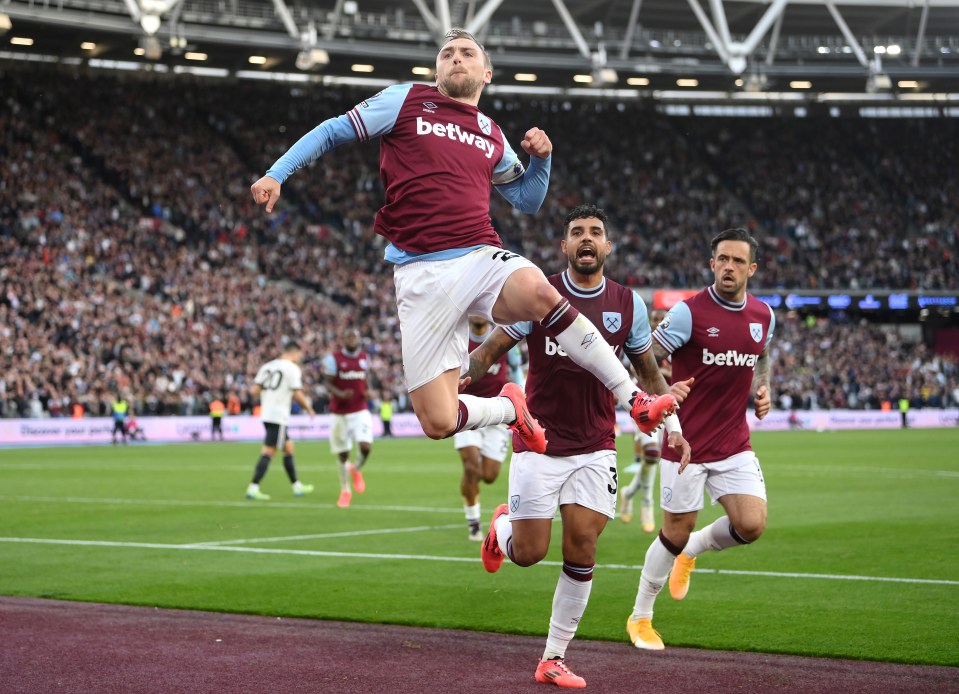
[[223, 504], [902, 473], [425, 557], [324, 536]]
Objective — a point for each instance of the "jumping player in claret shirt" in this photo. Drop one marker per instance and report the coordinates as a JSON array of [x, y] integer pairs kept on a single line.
[[439, 158]]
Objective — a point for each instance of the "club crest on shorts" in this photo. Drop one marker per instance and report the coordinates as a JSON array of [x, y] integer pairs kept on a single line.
[[612, 320], [513, 503], [667, 494], [756, 331], [484, 123]]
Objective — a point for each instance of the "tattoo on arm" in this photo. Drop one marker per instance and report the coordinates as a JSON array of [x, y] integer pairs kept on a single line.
[[484, 356], [761, 377], [647, 370], [659, 352]]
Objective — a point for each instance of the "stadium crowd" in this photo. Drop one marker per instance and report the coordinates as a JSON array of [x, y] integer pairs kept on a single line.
[[134, 260]]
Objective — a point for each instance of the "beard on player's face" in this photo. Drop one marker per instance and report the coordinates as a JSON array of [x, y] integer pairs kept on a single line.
[[460, 86], [588, 264]]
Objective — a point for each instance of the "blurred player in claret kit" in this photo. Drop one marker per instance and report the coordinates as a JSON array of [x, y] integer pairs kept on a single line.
[[646, 453], [482, 451], [577, 472], [440, 156], [347, 378]]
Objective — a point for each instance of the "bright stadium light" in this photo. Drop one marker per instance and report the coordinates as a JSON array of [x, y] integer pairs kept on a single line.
[[309, 58], [5, 24], [150, 23]]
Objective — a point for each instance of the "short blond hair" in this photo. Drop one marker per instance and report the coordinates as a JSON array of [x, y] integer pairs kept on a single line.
[[457, 33]]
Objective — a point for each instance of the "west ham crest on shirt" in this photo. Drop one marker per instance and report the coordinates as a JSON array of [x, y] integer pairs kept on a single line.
[[756, 331], [484, 123], [612, 320]]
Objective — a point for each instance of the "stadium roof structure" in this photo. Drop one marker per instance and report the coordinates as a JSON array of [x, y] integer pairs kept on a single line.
[[774, 49]]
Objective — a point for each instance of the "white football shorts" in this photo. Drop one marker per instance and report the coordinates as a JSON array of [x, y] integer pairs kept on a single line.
[[740, 474], [347, 429], [540, 484], [492, 441], [434, 299]]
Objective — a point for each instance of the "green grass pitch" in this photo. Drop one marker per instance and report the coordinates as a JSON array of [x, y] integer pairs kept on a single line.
[[859, 558]]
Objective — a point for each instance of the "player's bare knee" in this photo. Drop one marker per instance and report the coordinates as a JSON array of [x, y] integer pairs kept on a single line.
[[751, 528], [436, 429], [489, 472], [543, 298], [527, 556]]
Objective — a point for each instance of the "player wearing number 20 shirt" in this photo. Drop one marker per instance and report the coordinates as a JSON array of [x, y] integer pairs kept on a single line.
[[278, 380]]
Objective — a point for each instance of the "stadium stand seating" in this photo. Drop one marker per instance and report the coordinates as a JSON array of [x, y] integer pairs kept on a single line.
[[134, 259]]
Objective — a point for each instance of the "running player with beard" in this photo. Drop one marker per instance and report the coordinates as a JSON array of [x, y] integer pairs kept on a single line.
[[440, 156], [721, 338], [347, 373], [577, 472]]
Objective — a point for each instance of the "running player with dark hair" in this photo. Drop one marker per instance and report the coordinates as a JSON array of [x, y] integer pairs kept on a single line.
[[347, 374], [577, 472]]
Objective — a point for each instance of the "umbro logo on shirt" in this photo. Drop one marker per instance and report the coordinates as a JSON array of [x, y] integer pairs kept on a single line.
[[713, 332], [429, 107]]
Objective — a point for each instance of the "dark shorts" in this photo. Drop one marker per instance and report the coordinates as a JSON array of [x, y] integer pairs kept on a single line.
[[218, 423], [274, 433], [119, 426]]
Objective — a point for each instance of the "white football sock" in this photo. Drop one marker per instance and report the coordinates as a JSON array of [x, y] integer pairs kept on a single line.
[[482, 412], [344, 469], [360, 460], [656, 568], [569, 604], [504, 533], [647, 475], [586, 346], [716, 536], [472, 512], [630, 491]]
